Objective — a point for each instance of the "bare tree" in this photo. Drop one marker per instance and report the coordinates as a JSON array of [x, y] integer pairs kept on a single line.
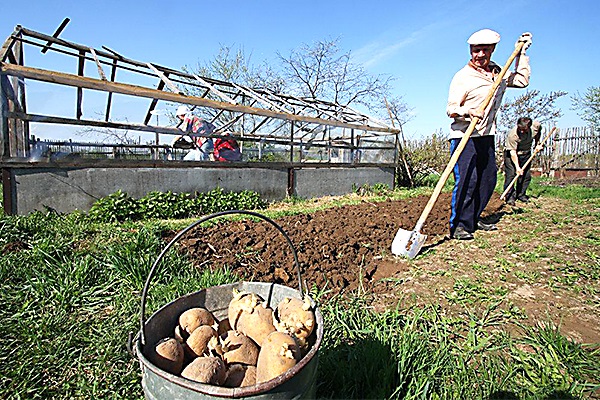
[[531, 104], [321, 71], [588, 106]]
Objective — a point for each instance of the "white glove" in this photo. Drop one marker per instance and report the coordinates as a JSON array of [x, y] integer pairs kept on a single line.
[[526, 39]]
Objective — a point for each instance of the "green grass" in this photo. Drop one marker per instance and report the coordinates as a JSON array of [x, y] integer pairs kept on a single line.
[[70, 295], [544, 187]]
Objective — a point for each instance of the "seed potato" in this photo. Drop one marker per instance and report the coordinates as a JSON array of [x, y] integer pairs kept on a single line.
[[257, 324], [241, 302], [197, 344], [210, 370], [238, 348], [191, 319], [278, 353], [296, 317], [168, 355], [239, 375]]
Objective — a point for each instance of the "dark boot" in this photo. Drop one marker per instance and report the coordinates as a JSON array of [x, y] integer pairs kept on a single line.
[[461, 234]]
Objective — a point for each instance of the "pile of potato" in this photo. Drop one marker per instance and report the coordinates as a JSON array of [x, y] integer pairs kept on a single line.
[[253, 344]]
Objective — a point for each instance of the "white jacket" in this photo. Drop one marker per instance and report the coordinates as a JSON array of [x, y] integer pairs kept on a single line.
[[469, 88]]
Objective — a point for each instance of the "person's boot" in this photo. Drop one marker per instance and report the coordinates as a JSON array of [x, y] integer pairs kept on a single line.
[[461, 234], [524, 198], [486, 227]]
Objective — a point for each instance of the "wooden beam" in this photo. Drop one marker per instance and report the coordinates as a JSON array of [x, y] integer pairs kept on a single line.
[[120, 57], [260, 99], [9, 43], [4, 127], [113, 75], [80, 69], [164, 78], [153, 103], [47, 119], [215, 90], [22, 127], [57, 32], [134, 90], [100, 70]]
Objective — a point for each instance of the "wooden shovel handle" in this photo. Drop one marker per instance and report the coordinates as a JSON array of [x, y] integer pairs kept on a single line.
[[503, 195], [465, 139]]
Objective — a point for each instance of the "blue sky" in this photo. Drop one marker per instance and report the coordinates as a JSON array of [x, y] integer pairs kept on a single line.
[[421, 44]]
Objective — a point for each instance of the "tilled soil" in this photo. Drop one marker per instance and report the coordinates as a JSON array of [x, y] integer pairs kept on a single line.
[[338, 248], [347, 249]]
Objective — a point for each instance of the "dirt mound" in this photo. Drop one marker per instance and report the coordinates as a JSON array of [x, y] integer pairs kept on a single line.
[[338, 248]]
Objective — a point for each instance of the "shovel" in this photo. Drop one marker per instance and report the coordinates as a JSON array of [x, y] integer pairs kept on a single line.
[[409, 243], [510, 186]]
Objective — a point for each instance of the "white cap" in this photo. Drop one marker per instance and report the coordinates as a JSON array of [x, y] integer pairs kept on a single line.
[[182, 110], [484, 36]]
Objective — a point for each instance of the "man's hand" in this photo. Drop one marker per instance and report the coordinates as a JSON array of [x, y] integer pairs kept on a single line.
[[475, 113], [526, 39], [538, 148], [519, 171]]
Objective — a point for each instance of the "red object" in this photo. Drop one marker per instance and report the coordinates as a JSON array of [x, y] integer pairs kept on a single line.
[[226, 149]]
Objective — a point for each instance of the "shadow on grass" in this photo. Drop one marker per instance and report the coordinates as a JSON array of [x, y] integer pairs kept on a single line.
[[504, 395], [357, 370]]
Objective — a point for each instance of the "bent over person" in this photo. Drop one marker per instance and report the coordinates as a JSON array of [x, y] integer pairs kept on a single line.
[[517, 151], [195, 127], [475, 171]]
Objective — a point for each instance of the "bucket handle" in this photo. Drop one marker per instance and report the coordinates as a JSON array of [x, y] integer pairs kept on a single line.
[[183, 232]]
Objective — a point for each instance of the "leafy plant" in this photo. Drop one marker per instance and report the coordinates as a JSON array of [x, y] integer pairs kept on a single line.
[[166, 205], [116, 207], [119, 207]]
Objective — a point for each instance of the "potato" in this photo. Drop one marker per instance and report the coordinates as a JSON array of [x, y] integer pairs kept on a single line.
[[191, 319], [167, 355], [295, 317], [239, 375], [256, 324], [197, 344], [209, 370], [238, 348], [278, 353], [223, 326], [242, 301]]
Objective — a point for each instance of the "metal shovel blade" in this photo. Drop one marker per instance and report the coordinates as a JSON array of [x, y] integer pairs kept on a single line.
[[408, 243]]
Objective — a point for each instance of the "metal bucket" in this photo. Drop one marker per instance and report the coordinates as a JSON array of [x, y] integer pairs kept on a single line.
[[299, 382]]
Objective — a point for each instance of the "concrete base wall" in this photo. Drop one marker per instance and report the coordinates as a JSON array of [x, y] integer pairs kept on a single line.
[[318, 182], [69, 189]]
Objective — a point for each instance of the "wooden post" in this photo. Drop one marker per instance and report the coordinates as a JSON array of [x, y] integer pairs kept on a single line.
[[22, 127], [291, 141], [4, 130], [353, 149], [328, 145], [554, 155], [113, 75], [80, 69], [9, 127]]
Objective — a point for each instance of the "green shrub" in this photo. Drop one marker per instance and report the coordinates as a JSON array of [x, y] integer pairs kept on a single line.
[[166, 205], [375, 189], [116, 207], [424, 158], [119, 207]]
